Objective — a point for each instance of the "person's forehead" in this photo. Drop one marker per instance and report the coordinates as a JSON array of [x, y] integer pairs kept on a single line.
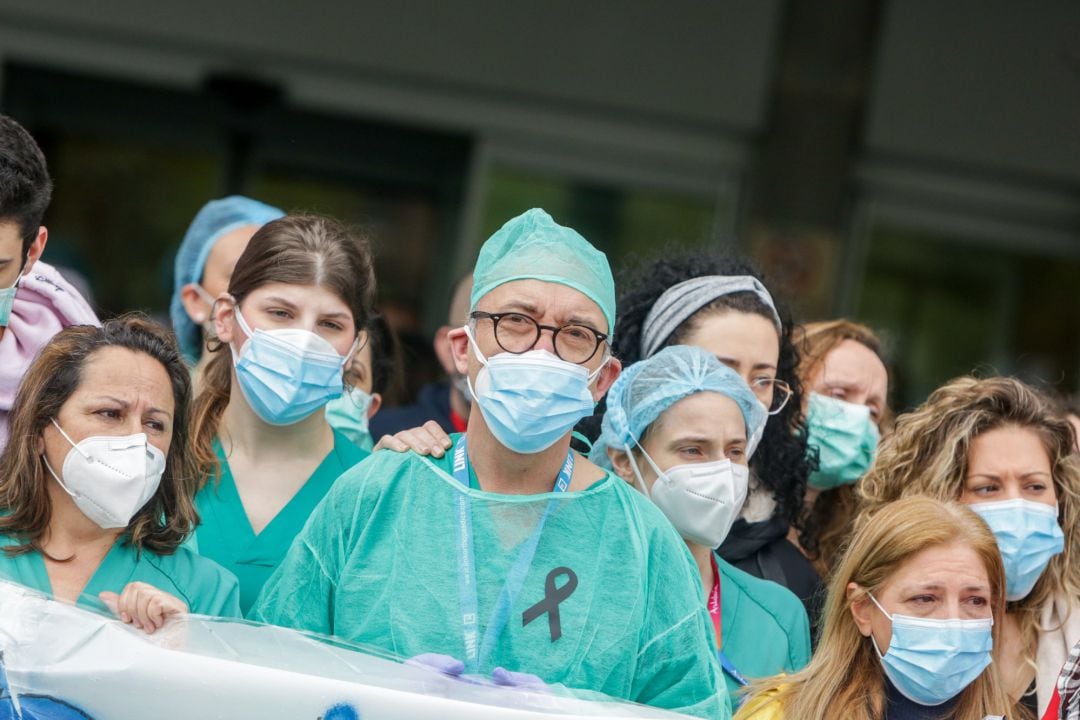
[[952, 564], [851, 361], [713, 414], [229, 247], [10, 240], [1006, 447], [552, 300], [738, 335], [126, 375], [318, 298]]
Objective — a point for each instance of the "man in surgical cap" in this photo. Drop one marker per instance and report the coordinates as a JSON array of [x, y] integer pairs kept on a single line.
[[204, 263], [512, 554]]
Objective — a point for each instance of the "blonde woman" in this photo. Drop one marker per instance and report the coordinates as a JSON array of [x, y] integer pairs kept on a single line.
[[843, 367], [998, 445], [912, 616]]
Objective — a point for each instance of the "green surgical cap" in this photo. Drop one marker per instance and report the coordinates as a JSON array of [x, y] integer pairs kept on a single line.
[[533, 246]]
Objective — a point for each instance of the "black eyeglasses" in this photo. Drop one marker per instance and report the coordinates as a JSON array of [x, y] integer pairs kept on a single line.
[[517, 333]]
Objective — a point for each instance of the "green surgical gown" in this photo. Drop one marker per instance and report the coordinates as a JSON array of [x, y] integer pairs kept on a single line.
[[379, 563], [204, 585], [225, 534], [763, 626]]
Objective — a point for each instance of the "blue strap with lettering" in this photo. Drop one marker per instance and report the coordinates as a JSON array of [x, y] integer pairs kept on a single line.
[[477, 652], [730, 669]]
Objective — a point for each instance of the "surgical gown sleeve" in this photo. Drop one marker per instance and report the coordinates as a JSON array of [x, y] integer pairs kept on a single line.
[[676, 667]]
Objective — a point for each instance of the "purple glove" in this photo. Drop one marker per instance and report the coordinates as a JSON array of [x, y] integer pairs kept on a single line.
[[445, 664], [509, 678]]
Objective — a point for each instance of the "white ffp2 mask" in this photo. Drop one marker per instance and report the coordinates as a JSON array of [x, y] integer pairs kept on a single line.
[[110, 478], [702, 500]]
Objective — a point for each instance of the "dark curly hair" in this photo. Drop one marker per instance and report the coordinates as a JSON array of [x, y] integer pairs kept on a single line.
[[780, 461]]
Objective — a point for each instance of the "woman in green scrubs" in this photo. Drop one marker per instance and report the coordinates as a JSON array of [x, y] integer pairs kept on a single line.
[[681, 426], [96, 500], [293, 318]]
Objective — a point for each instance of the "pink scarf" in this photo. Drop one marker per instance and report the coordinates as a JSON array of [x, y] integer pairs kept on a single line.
[[44, 305]]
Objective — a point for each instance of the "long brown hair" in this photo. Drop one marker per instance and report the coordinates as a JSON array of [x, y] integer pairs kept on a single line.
[[826, 524], [927, 454], [296, 250], [845, 678], [25, 508]]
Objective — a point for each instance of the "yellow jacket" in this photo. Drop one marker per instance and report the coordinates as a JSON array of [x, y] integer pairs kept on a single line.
[[761, 707]]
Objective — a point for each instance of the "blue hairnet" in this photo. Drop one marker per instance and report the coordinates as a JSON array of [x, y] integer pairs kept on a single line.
[[533, 246], [215, 219], [647, 388]]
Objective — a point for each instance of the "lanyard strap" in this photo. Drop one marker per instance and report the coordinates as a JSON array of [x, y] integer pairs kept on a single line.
[[714, 613], [714, 601], [477, 652]]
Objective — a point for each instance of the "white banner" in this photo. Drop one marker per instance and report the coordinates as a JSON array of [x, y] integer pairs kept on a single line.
[[62, 662]]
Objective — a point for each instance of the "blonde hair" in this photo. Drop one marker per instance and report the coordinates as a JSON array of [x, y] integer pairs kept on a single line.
[[927, 454], [845, 677], [826, 525]]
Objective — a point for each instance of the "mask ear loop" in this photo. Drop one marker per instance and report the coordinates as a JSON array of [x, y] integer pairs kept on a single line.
[[70, 442], [239, 316], [596, 373], [637, 472], [886, 614], [476, 348], [479, 356], [49, 467]]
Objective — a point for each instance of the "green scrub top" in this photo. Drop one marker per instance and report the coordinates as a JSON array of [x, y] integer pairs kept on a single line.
[[382, 562], [225, 534], [206, 587], [764, 628]]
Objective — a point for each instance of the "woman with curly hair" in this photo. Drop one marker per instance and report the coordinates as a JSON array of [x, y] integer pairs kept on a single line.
[[721, 304], [999, 446], [843, 367]]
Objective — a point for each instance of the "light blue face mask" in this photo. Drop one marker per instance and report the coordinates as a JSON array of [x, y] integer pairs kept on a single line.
[[531, 400], [931, 661], [846, 438], [348, 415], [286, 375], [7, 301], [1028, 535]]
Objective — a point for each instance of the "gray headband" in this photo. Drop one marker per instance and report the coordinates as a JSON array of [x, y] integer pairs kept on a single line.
[[680, 302]]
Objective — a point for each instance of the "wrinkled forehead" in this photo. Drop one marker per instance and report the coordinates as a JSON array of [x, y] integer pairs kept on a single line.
[[548, 302]]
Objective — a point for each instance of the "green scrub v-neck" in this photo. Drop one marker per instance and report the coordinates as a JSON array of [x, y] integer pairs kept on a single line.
[[225, 534]]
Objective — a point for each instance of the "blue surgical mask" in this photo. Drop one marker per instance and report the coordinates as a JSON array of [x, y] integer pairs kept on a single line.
[[531, 400], [931, 661], [287, 374], [1028, 535], [348, 415], [846, 438], [7, 301]]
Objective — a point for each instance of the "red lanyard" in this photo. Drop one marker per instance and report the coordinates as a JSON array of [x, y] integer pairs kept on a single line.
[[714, 602]]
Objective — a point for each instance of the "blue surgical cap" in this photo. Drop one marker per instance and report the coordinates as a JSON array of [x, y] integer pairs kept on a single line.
[[216, 219], [647, 388], [533, 246]]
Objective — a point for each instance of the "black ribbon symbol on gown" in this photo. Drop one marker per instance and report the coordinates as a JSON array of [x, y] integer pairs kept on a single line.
[[552, 597]]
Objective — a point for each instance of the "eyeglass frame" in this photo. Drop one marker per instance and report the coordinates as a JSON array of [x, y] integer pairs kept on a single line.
[[601, 338], [774, 382]]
